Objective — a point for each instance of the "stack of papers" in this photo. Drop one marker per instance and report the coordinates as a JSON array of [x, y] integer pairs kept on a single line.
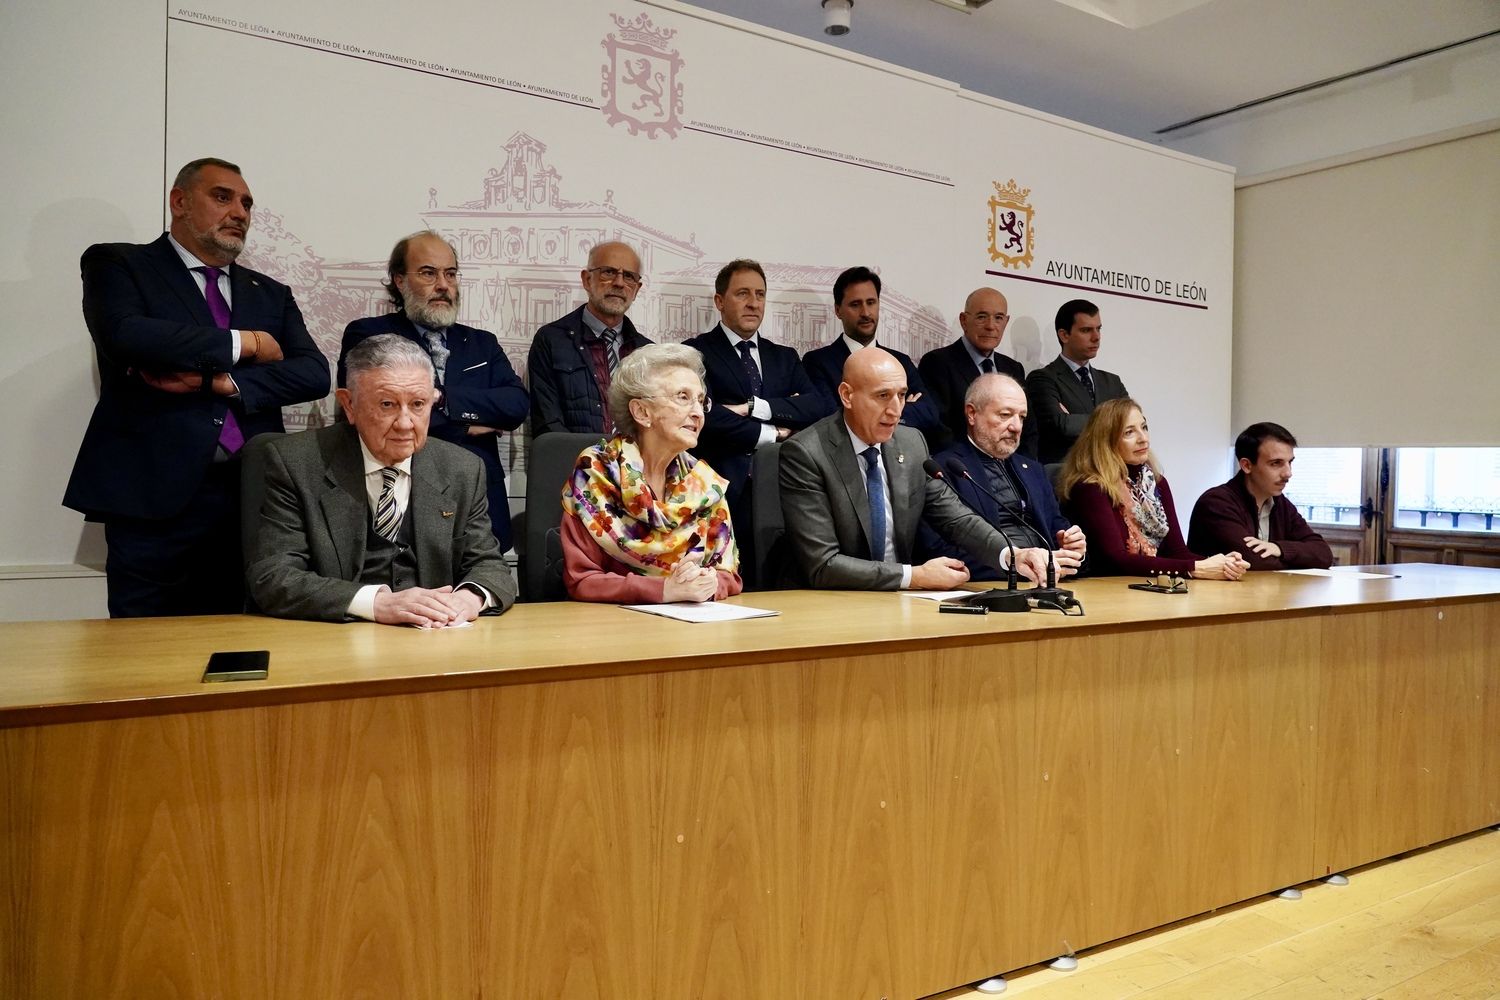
[[708, 611]]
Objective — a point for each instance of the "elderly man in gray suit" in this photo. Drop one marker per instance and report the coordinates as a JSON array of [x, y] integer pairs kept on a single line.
[[370, 520], [853, 490]]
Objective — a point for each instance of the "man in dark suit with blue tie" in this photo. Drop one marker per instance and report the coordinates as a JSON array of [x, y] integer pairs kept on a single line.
[[760, 392], [196, 355], [1006, 487], [480, 394], [1064, 392], [856, 304]]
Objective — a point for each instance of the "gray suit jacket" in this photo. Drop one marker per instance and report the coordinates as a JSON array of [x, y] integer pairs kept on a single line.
[[1055, 383], [314, 520], [827, 513]]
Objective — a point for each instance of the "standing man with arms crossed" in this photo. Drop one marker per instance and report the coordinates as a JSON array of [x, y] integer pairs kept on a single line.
[[196, 355], [572, 359], [853, 490], [479, 394], [1063, 393], [1249, 514]]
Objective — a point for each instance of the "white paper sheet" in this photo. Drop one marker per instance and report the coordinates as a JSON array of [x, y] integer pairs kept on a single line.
[[708, 611]]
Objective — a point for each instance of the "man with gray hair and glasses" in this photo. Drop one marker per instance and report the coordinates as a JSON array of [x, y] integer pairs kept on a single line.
[[572, 359], [369, 519]]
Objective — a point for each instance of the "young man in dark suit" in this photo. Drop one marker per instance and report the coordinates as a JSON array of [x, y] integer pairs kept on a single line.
[[1063, 394], [480, 394], [196, 354]]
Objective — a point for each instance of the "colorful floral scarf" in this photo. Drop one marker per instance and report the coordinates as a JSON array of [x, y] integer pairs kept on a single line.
[[1145, 517], [608, 493]]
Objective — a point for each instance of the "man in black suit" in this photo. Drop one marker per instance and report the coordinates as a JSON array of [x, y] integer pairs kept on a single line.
[[369, 520], [196, 355], [760, 392], [480, 395], [856, 303], [1063, 394], [949, 371], [572, 359]]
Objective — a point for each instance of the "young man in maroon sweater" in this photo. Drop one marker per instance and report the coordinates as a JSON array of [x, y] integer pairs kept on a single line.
[[1248, 514]]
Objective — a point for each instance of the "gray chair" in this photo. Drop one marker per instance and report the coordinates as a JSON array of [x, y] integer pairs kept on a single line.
[[252, 492], [769, 558], [550, 462]]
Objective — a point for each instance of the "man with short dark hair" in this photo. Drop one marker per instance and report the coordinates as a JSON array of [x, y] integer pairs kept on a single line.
[[1005, 486], [369, 520], [1249, 515], [853, 490], [949, 371], [480, 396], [1063, 393], [197, 354], [571, 359], [856, 305], [761, 393]]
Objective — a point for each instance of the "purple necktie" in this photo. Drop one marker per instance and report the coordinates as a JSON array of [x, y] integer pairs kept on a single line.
[[230, 437]]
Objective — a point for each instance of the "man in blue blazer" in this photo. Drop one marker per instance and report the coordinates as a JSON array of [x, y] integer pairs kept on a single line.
[[949, 371], [760, 392], [1008, 489], [196, 355], [481, 395], [856, 303]]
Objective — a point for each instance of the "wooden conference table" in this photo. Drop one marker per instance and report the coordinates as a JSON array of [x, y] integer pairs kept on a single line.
[[860, 798]]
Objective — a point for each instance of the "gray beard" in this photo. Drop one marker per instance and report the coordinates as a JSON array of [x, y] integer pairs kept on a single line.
[[433, 317]]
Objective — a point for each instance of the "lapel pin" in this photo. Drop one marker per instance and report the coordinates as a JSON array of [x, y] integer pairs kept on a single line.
[[1025, 466], [446, 513], [900, 459]]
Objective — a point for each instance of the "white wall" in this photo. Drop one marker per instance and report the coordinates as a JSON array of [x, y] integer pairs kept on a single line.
[[82, 164]]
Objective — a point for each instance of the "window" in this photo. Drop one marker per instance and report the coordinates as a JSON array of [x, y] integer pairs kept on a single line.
[[1450, 489], [1327, 485]]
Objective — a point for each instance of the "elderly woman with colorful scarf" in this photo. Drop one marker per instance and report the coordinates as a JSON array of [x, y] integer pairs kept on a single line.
[[1113, 489], [645, 522]]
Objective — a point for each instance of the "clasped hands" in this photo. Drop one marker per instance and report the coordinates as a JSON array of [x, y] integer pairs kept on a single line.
[[427, 608], [255, 346], [690, 581]]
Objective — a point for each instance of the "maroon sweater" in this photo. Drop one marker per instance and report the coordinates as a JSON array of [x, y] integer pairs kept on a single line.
[[1093, 511], [1225, 516]]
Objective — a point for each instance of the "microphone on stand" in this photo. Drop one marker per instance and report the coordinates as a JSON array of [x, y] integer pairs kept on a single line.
[[1009, 599], [1051, 592]]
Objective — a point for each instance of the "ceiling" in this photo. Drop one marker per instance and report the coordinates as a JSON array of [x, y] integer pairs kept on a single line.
[[1187, 58]]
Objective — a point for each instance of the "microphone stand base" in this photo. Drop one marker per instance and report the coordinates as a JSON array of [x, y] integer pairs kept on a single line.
[[1001, 600], [1052, 595]]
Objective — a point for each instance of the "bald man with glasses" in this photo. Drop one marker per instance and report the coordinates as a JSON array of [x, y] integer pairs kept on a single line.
[[573, 359]]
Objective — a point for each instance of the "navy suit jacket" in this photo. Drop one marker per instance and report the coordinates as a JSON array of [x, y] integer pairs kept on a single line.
[[728, 439], [825, 366], [564, 393], [146, 451], [479, 387], [1041, 511], [948, 372]]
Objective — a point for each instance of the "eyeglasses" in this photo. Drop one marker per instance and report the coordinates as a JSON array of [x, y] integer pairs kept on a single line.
[[686, 400], [430, 274], [609, 274]]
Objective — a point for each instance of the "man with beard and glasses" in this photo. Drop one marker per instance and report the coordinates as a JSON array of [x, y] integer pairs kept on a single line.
[[573, 359], [196, 355], [480, 395]]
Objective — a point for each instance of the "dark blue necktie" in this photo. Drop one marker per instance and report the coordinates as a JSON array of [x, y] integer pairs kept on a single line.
[[877, 502], [751, 370], [1088, 382]]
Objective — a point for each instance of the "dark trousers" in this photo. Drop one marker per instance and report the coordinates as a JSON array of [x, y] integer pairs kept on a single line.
[[186, 565]]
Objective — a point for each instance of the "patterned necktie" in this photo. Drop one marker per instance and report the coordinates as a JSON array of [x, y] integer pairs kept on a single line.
[[752, 371], [987, 366], [1088, 382], [877, 502], [437, 346], [612, 348], [387, 514], [231, 438]]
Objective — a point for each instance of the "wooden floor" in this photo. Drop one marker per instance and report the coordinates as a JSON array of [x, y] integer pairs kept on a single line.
[[1421, 926]]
